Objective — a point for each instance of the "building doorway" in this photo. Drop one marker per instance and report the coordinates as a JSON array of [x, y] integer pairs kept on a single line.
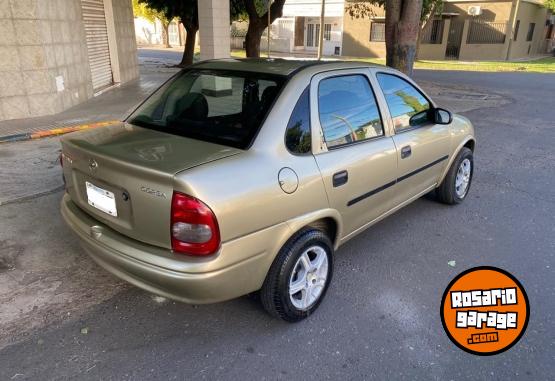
[[312, 35], [454, 39], [96, 34], [299, 31]]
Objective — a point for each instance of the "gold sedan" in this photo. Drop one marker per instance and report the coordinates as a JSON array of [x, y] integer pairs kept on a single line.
[[244, 175]]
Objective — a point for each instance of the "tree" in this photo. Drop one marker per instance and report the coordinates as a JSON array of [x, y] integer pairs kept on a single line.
[[142, 9], [187, 13], [257, 13], [550, 4], [404, 19]]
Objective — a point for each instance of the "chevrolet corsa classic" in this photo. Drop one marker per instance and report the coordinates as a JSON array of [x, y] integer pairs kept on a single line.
[[244, 175]]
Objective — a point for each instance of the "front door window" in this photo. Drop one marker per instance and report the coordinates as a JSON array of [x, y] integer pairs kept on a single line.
[[406, 104]]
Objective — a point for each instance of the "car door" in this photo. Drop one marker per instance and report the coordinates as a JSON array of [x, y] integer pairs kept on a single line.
[[352, 147], [422, 146]]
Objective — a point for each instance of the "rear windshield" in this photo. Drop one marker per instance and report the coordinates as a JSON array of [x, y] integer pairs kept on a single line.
[[224, 107]]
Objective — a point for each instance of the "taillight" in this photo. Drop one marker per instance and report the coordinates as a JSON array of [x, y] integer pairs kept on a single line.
[[194, 228]]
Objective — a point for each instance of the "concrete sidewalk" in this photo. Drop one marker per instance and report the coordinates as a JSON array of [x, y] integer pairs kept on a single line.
[[113, 104]]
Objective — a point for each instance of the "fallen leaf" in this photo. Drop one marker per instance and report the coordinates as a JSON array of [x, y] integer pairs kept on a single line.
[[84, 330]]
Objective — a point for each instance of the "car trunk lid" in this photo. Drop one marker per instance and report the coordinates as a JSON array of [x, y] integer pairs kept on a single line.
[[134, 168]]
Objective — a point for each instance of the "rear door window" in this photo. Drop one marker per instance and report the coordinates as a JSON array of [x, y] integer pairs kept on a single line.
[[348, 110], [224, 107]]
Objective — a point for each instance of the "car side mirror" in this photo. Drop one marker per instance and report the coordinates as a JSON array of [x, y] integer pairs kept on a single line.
[[441, 116]]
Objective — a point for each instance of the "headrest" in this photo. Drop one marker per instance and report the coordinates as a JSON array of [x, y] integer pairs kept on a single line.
[[192, 106]]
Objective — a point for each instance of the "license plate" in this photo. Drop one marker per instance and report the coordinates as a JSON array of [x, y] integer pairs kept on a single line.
[[101, 199]]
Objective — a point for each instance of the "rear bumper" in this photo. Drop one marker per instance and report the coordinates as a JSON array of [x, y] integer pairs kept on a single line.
[[237, 269]]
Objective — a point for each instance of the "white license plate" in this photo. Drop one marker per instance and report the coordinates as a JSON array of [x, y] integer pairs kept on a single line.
[[101, 199]]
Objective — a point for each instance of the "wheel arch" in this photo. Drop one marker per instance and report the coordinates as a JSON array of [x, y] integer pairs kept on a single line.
[[327, 220], [468, 142]]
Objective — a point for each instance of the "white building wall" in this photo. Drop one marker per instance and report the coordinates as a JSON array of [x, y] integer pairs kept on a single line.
[[147, 32], [214, 33], [333, 8], [284, 27]]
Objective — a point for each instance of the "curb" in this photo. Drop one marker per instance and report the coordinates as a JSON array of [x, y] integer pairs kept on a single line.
[[53, 132]]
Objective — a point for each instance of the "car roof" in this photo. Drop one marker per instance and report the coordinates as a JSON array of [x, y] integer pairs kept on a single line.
[[278, 66]]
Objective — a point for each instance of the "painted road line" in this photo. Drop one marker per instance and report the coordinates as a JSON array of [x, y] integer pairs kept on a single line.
[[53, 132]]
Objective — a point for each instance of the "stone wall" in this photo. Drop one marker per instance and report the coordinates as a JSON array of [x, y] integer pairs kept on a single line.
[[43, 61], [124, 28], [44, 66]]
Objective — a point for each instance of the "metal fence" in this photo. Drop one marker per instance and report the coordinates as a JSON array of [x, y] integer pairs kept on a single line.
[[433, 32], [482, 32]]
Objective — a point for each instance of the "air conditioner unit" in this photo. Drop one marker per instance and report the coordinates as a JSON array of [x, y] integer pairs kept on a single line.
[[475, 10]]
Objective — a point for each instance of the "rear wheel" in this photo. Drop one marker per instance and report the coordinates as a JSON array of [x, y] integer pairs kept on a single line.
[[455, 185], [299, 277]]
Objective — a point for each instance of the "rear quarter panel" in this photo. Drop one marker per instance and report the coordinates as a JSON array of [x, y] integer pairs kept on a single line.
[[244, 193]]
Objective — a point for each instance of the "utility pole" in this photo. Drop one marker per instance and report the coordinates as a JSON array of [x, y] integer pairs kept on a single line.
[[321, 36], [269, 24]]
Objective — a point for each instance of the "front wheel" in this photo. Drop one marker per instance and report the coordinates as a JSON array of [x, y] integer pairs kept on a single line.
[[455, 185], [299, 277]]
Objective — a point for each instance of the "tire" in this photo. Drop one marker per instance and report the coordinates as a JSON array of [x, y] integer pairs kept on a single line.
[[449, 191], [289, 268]]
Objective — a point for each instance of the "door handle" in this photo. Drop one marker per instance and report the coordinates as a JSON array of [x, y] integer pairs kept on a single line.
[[340, 178], [406, 151]]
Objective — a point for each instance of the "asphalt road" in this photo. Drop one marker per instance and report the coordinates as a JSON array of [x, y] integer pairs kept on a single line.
[[380, 319]]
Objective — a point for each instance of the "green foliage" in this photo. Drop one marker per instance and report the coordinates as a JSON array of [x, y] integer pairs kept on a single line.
[[296, 137], [363, 8], [185, 10], [412, 101], [238, 9], [141, 9], [550, 4]]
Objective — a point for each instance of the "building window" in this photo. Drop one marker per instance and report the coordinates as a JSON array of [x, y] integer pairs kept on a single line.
[[482, 32], [327, 32], [433, 32], [517, 25], [530, 34], [377, 31], [549, 32]]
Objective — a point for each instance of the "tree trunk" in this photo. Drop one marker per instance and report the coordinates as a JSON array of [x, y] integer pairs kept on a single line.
[[402, 21], [252, 39], [402, 57], [258, 23], [166, 35], [189, 50]]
